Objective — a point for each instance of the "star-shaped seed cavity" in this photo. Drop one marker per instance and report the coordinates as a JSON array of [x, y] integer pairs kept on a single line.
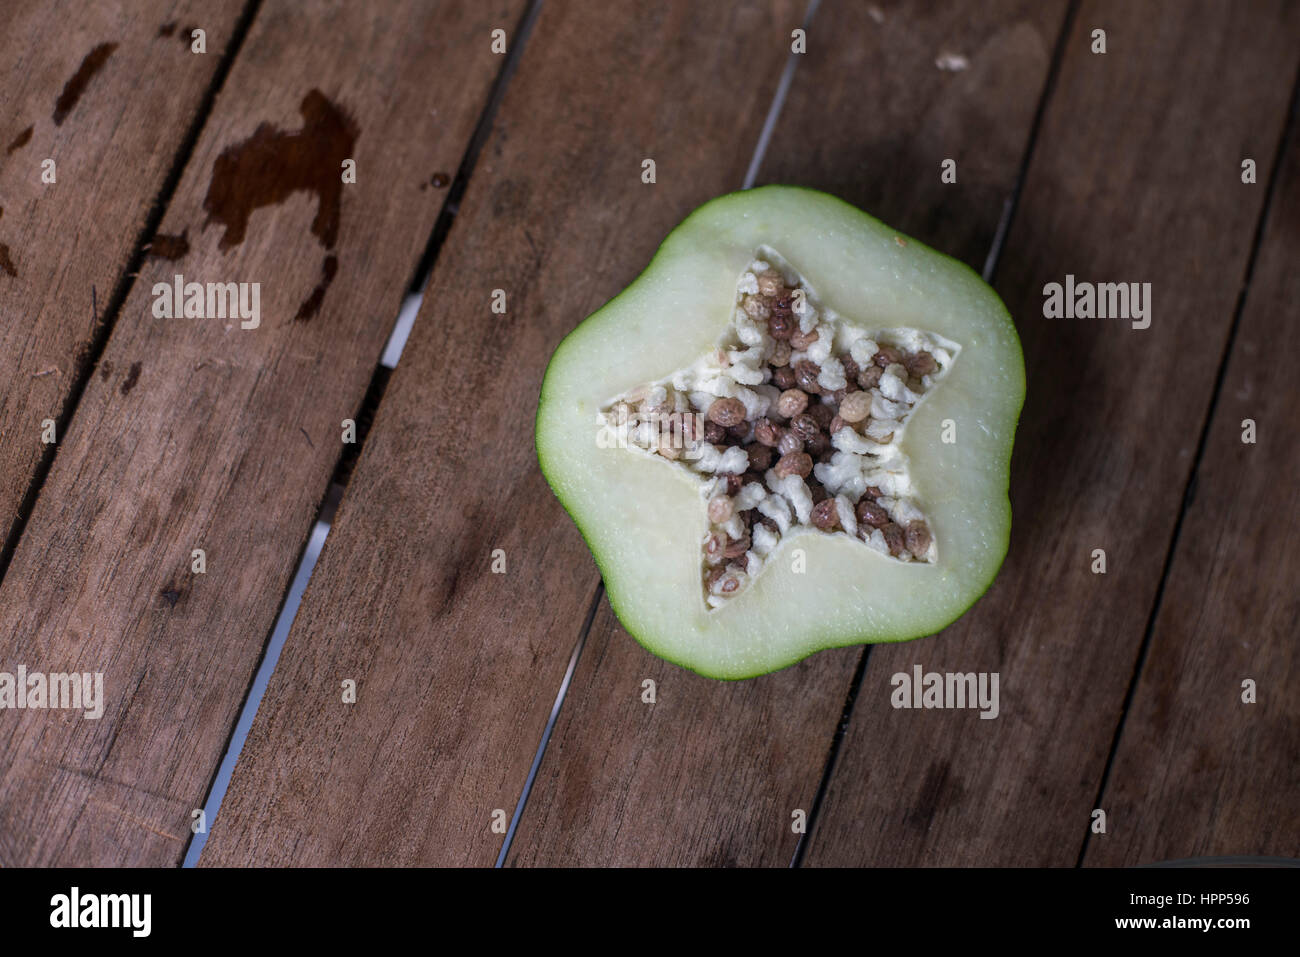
[[793, 425]]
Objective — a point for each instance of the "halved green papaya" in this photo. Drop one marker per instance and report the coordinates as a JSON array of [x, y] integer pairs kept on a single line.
[[792, 432]]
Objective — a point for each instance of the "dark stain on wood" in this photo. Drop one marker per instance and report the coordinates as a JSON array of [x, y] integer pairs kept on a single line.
[[132, 377], [509, 198], [450, 586], [105, 370], [169, 29], [6, 264], [724, 856], [180, 499], [168, 246], [72, 90], [311, 305], [933, 790], [440, 180], [19, 141], [170, 594], [271, 165]]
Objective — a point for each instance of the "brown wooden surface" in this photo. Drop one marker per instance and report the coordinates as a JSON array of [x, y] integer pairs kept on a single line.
[[194, 433], [456, 667], [1199, 772], [1136, 177], [93, 87], [712, 773]]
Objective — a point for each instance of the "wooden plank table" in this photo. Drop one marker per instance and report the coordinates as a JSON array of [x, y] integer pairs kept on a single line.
[[712, 774], [498, 716], [1227, 758], [202, 434], [1105, 446], [113, 106]]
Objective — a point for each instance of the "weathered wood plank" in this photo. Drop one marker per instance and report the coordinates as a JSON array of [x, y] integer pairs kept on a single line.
[[197, 433], [456, 667], [1198, 771], [94, 88], [1136, 178], [712, 772]]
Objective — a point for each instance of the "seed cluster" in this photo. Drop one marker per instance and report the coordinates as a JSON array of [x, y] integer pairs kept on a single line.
[[775, 453]]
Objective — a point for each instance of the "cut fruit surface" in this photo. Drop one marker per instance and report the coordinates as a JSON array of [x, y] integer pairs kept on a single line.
[[793, 423], [791, 432]]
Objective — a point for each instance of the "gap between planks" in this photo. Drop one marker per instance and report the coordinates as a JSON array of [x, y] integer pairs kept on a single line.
[[319, 533], [103, 328], [560, 695], [1009, 208], [1189, 488], [1013, 200]]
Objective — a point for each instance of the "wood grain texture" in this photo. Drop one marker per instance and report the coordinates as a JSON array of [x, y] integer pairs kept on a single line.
[[456, 667], [712, 773], [871, 116], [94, 88], [1198, 771], [1136, 178], [195, 433]]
